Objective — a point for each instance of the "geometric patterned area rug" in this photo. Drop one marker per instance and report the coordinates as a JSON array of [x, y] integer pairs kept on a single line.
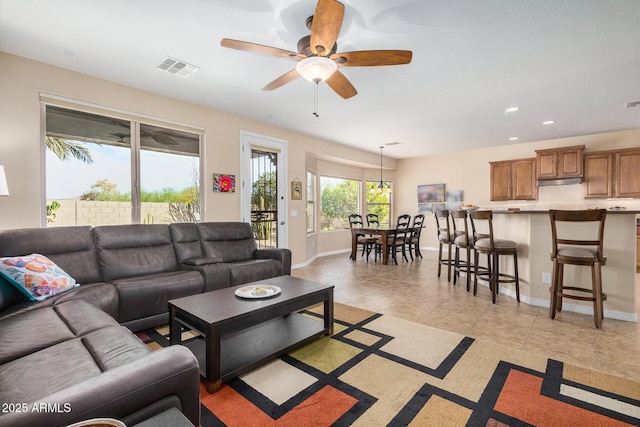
[[378, 370]]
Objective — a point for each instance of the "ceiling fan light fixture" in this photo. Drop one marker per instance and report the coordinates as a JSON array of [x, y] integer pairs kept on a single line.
[[316, 69]]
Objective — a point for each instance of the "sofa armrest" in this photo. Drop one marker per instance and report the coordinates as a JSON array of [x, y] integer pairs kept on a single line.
[[217, 275], [122, 391], [202, 261], [279, 254]]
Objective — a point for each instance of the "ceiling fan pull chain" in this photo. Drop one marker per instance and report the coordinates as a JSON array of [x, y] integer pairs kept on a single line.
[[315, 101]]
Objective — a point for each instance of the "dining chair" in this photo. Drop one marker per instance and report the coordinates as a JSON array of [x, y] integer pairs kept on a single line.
[[486, 243], [396, 240], [367, 243], [584, 251], [445, 237], [373, 220], [413, 238]]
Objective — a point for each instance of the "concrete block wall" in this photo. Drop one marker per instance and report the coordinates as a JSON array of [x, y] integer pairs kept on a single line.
[[81, 212]]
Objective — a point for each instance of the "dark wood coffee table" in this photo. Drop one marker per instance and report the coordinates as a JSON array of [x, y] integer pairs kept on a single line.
[[240, 334]]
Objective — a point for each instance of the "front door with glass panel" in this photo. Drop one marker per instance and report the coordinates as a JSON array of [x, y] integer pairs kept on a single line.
[[263, 189], [264, 197]]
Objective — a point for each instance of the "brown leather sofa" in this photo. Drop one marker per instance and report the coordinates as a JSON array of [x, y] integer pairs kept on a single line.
[[76, 348]]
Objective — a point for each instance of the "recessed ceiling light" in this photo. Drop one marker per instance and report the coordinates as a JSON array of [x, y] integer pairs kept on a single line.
[[513, 138], [548, 122], [511, 109]]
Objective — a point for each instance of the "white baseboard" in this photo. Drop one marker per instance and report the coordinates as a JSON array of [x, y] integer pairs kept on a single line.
[[320, 255], [574, 308]]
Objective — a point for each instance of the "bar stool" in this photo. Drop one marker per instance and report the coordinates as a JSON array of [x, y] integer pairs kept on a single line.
[[445, 237], [486, 244], [581, 252], [461, 241]]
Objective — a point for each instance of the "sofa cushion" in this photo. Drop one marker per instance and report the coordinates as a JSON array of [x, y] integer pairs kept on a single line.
[[38, 329], [65, 364], [250, 271], [231, 241], [102, 295], [134, 250], [71, 248], [70, 342], [36, 276], [68, 363], [148, 295], [186, 240]]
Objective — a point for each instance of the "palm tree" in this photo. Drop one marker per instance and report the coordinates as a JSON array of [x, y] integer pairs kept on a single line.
[[64, 149]]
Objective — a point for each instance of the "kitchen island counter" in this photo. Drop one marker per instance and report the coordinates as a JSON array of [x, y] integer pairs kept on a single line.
[[531, 229]]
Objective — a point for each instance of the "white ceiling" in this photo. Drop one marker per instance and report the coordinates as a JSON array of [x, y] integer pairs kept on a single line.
[[573, 61]]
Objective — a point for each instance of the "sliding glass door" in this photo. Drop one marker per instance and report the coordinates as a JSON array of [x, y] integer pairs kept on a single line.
[[106, 170]]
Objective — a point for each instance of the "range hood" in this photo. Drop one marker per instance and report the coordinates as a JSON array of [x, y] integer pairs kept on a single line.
[[558, 181]]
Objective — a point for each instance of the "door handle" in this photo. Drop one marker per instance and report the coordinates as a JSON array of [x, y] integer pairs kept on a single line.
[[281, 222]]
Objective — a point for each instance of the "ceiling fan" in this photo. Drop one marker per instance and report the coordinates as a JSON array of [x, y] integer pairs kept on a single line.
[[317, 57]]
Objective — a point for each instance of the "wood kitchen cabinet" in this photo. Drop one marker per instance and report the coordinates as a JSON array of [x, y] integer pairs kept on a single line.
[[626, 173], [514, 180], [500, 180], [563, 162], [613, 173], [598, 175]]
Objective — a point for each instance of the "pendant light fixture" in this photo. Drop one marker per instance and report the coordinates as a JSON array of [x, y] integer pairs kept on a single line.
[[382, 187]]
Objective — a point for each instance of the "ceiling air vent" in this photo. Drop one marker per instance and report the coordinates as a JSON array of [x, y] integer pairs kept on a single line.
[[177, 67], [632, 104]]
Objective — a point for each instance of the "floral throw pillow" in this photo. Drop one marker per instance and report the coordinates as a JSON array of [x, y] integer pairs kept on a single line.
[[36, 276]]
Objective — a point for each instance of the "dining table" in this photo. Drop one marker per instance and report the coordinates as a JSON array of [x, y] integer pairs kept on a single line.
[[384, 231]]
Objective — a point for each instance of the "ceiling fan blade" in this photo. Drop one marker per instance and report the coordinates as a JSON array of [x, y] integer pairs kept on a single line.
[[262, 49], [372, 58], [282, 80], [325, 27], [341, 85]]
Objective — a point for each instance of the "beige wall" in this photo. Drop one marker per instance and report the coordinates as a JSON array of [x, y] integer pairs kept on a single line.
[[23, 80]]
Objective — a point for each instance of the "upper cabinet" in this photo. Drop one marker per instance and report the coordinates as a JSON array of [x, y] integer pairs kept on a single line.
[[514, 180], [626, 173], [500, 180], [598, 175], [614, 173], [562, 162]]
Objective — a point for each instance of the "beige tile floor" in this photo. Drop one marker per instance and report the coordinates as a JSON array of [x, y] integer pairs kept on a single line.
[[412, 291]]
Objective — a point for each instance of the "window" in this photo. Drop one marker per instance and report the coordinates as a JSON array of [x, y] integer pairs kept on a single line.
[[311, 202], [379, 203], [339, 198], [106, 170]]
